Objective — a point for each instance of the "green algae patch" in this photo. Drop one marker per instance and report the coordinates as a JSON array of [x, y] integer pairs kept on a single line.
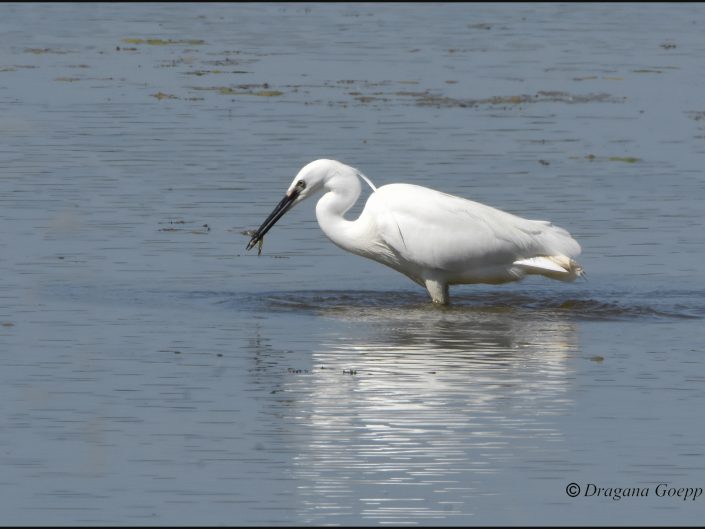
[[260, 93], [162, 95], [242, 90], [543, 96], [164, 42], [625, 159], [225, 90]]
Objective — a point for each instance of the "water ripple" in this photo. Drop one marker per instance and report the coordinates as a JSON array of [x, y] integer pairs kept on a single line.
[[607, 306]]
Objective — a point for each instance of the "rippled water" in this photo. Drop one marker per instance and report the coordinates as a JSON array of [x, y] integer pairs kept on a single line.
[[153, 372]]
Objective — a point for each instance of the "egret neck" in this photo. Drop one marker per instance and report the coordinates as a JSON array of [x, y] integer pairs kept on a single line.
[[342, 192]]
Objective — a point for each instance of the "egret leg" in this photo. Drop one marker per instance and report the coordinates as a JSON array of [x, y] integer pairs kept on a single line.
[[437, 290]]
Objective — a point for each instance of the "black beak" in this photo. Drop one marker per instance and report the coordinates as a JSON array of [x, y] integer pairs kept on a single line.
[[274, 216]]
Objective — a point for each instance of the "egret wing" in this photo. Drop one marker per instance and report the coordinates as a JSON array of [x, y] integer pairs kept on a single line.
[[441, 231]]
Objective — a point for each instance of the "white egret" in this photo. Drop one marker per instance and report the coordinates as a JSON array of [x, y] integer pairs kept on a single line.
[[434, 238]]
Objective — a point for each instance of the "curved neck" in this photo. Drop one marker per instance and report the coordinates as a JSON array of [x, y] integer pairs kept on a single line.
[[342, 193]]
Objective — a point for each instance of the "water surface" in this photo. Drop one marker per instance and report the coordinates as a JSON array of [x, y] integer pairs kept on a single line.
[[154, 372]]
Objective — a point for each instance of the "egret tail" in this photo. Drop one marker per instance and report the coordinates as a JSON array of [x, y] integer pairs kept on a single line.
[[559, 267]]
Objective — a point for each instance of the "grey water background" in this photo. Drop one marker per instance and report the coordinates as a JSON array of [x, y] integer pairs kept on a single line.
[[153, 372]]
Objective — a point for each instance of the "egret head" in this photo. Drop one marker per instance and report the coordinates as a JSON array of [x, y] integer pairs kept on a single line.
[[309, 181], [312, 177]]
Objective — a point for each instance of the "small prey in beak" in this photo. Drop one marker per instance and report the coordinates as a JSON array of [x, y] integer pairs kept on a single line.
[[251, 233], [285, 205]]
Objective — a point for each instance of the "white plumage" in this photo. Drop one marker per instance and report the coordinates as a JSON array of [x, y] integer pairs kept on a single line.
[[434, 238]]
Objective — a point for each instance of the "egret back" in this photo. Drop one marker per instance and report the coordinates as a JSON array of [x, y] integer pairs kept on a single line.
[[437, 231]]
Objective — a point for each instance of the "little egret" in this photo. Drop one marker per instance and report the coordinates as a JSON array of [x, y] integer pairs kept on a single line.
[[434, 238]]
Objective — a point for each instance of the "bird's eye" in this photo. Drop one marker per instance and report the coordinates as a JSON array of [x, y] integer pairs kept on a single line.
[[301, 184]]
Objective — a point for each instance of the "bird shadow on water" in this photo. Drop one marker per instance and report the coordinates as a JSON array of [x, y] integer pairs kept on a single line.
[[534, 305], [481, 328], [476, 331]]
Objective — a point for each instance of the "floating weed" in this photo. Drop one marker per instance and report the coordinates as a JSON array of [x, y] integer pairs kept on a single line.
[[268, 93], [507, 100], [625, 159], [41, 51], [162, 95], [201, 73], [369, 99], [592, 158], [164, 42], [544, 96], [405, 93], [241, 90], [220, 89]]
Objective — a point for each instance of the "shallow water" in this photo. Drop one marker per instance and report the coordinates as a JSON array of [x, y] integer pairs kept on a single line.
[[154, 372]]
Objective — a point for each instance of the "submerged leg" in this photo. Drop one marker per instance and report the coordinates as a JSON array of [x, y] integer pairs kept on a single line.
[[437, 290]]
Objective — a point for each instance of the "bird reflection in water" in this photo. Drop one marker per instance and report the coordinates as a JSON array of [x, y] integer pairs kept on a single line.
[[445, 401]]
